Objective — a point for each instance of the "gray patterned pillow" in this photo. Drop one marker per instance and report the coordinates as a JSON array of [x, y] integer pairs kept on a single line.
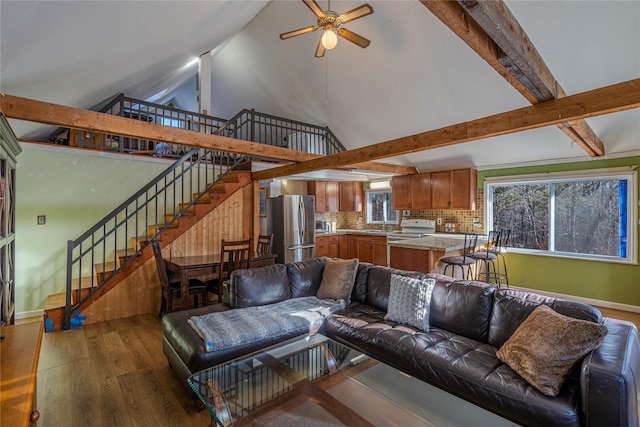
[[409, 300]]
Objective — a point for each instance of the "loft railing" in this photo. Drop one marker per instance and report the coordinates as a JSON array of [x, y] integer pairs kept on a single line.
[[149, 112], [93, 258], [248, 125]]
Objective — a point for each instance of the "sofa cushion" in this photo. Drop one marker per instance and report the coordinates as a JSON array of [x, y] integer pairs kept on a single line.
[[511, 307], [462, 307], [259, 286], [305, 277], [547, 345], [378, 282], [359, 293], [409, 300], [338, 279]]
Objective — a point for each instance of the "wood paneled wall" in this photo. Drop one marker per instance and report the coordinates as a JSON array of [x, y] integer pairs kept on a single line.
[[140, 292]]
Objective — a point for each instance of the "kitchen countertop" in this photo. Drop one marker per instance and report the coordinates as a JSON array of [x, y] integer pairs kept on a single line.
[[363, 232], [438, 242]]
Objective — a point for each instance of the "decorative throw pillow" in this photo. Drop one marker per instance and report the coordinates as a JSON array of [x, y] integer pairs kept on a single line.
[[409, 300], [547, 345], [338, 278]]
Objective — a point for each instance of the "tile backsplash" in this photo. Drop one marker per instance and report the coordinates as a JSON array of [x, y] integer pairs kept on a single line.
[[464, 219]]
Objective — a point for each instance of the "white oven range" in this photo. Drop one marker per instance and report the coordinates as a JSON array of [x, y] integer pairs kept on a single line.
[[411, 228]]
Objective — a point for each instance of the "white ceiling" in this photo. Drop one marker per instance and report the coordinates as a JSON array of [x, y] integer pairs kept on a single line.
[[415, 76]]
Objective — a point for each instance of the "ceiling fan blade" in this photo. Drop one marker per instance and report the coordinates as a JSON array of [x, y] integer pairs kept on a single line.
[[317, 10], [320, 50], [353, 37], [298, 32], [356, 13]]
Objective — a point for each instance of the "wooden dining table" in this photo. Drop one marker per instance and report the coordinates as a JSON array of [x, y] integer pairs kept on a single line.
[[192, 266]]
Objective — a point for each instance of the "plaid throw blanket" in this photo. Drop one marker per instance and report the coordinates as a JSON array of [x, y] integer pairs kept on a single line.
[[237, 327]]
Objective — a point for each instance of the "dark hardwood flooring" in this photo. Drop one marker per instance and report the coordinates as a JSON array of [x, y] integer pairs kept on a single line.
[[112, 374], [115, 374]]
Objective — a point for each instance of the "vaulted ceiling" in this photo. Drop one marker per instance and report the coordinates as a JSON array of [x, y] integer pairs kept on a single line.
[[416, 75]]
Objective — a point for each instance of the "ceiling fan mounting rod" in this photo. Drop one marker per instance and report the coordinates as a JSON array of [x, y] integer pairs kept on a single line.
[[329, 21]]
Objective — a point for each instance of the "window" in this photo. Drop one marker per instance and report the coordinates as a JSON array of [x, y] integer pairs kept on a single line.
[[588, 214], [380, 207]]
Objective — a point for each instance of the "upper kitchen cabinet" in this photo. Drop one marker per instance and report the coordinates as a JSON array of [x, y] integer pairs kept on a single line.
[[454, 189], [351, 197], [326, 193], [412, 191]]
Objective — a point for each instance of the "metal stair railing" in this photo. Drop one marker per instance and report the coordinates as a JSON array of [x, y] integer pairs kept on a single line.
[[92, 259]]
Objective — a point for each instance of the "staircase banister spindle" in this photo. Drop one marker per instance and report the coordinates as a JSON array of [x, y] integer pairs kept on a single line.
[[136, 195]]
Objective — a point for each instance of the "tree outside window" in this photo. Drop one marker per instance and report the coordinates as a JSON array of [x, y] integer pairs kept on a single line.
[[380, 208], [585, 217]]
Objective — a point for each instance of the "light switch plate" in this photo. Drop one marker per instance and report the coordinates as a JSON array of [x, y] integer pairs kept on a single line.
[[406, 212]]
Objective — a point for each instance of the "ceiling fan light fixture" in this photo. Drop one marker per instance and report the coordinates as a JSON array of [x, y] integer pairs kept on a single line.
[[329, 39]]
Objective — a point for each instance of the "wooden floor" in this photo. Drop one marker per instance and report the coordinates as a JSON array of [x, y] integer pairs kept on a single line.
[[115, 374], [112, 374]]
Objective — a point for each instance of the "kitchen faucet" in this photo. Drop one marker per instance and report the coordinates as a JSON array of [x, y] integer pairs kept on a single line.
[[384, 225]]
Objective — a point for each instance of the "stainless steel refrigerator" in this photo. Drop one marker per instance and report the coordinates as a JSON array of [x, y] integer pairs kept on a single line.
[[291, 220]]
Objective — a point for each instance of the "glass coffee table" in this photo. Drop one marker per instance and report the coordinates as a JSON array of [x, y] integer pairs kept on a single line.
[[315, 381]]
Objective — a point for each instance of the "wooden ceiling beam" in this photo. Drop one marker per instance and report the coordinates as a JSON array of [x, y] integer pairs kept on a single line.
[[489, 28], [68, 117], [610, 99]]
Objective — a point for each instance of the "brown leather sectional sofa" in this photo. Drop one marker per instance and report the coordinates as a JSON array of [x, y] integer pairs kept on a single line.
[[469, 321]]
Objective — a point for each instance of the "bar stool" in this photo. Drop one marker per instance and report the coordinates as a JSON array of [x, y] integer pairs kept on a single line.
[[464, 260], [501, 249], [489, 269]]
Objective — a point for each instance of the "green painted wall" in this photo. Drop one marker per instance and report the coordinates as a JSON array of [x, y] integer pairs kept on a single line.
[[613, 282]]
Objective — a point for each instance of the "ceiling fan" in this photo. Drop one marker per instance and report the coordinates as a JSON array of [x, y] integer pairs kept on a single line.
[[330, 22]]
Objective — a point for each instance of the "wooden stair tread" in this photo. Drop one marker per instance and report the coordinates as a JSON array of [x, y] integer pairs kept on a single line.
[[55, 301], [190, 211], [107, 266], [219, 188]]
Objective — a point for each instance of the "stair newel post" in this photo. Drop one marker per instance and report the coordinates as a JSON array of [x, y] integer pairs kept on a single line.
[[67, 307]]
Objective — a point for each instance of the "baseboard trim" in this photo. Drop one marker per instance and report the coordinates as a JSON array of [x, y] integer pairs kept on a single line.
[[590, 301], [29, 314]]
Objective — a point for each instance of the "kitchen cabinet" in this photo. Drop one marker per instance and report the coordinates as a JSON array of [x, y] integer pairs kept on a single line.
[[412, 191], [322, 246], [401, 190], [414, 259], [326, 194], [343, 249], [455, 189], [351, 197], [331, 246], [372, 249], [352, 246]]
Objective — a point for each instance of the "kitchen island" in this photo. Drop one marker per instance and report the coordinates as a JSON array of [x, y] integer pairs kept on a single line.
[[423, 253]]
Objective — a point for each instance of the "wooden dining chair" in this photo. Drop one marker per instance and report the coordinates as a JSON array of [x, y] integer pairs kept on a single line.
[[234, 255], [172, 289], [264, 244]]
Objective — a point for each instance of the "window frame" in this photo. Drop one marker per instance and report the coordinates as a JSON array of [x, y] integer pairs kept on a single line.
[[368, 219], [628, 173]]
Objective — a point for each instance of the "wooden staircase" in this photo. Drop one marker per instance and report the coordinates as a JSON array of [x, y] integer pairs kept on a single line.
[[55, 304]]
